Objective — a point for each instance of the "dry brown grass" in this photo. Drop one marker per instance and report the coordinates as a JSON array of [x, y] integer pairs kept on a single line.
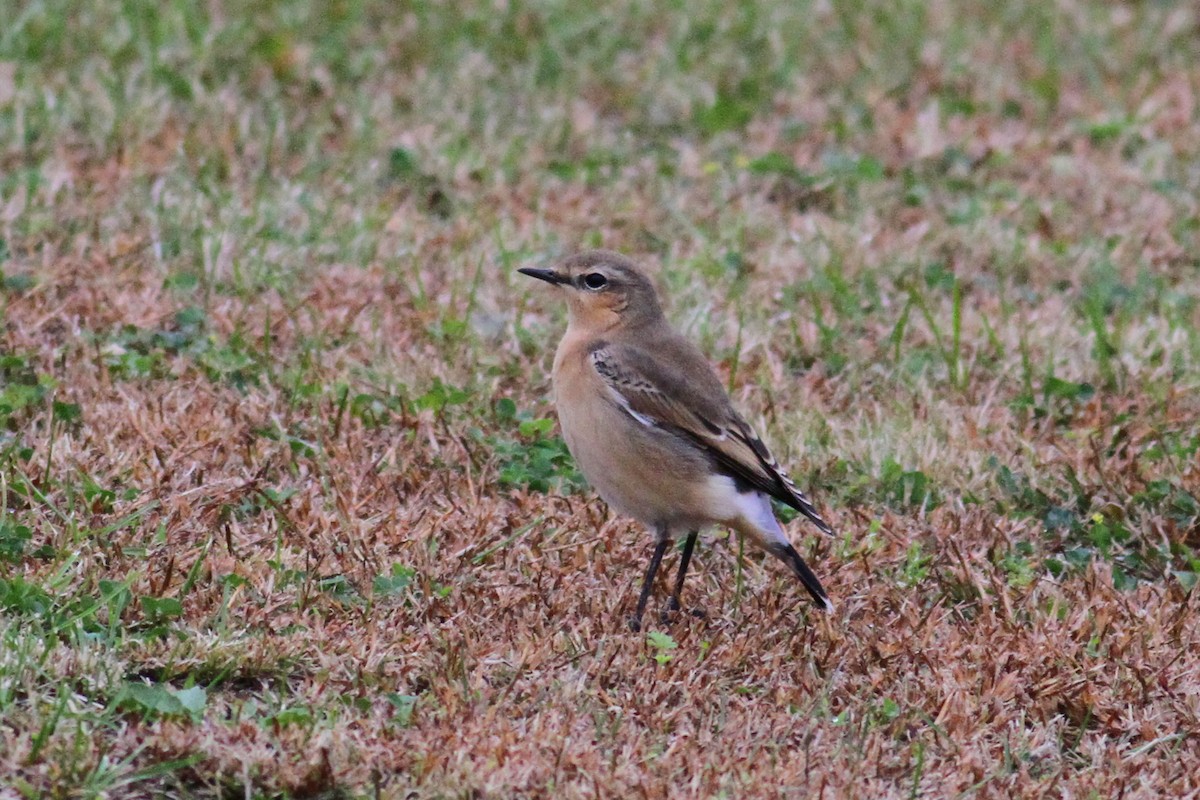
[[278, 451]]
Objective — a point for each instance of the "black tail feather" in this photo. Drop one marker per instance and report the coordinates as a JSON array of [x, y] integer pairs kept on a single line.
[[788, 554]]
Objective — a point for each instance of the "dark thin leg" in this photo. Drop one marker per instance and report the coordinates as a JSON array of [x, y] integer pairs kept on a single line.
[[647, 585], [688, 545]]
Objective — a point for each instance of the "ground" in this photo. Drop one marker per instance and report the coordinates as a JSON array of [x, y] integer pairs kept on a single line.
[[285, 509]]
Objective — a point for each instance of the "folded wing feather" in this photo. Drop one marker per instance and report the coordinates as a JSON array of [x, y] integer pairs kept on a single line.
[[654, 392]]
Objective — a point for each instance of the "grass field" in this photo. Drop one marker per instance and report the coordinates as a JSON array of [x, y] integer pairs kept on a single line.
[[285, 510]]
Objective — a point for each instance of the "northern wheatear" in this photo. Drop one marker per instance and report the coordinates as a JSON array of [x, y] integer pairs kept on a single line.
[[651, 427]]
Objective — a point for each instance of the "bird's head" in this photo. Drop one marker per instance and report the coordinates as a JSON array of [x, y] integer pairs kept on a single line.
[[604, 289]]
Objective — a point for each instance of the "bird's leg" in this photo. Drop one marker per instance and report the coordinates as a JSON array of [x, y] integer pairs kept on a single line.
[[688, 545], [635, 623]]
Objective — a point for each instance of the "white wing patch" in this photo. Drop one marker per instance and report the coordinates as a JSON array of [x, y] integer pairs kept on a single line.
[[611, 378], [624, 404]]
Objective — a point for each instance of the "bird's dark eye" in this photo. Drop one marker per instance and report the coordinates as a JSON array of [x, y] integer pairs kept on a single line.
[[594, 280]]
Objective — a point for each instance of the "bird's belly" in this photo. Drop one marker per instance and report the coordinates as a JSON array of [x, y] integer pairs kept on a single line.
[[643, 472]]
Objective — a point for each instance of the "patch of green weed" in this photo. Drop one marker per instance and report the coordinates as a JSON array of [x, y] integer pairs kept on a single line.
[[533, 458]]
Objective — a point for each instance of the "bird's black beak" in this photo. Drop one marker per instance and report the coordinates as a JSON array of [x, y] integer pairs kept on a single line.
[[547, 275]]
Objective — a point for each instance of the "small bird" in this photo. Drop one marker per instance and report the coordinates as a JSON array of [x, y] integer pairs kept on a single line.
[[652, 429]]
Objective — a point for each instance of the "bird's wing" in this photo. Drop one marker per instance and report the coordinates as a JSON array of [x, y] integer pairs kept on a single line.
[[678, 391]]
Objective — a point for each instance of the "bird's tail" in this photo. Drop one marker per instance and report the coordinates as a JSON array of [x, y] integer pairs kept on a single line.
[[788, 555], [757, 520]]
